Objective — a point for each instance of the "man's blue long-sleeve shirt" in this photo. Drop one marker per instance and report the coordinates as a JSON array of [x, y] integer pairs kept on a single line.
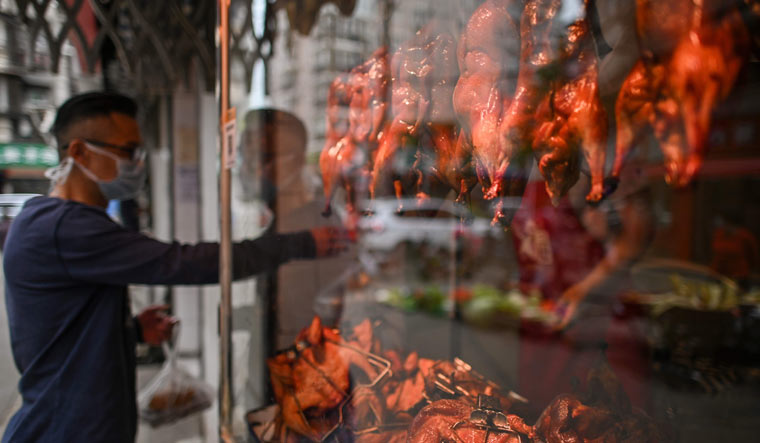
[[66, 269]]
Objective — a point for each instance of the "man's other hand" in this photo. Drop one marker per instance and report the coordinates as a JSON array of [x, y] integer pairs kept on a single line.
[[156, 325], [331, 241]]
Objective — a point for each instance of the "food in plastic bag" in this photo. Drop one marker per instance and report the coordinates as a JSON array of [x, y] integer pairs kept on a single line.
[[173, 394]]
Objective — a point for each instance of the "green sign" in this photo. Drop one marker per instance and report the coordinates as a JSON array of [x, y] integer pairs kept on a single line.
[[27, 155]]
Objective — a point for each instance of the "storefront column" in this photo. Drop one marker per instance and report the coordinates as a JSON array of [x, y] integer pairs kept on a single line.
[[187, 218], [209, 188], [161, 195]]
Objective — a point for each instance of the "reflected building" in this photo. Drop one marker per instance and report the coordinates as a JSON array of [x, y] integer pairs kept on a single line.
[[302, 68], [29, 94]]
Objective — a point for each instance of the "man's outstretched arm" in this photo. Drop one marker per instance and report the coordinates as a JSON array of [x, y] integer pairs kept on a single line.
[[98, 250]]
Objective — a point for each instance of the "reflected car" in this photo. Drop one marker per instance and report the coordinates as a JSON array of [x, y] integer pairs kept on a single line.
[[10, 206], [386, 223]]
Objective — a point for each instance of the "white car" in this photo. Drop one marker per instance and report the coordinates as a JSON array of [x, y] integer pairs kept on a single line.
[[11, 204], [383, 225]]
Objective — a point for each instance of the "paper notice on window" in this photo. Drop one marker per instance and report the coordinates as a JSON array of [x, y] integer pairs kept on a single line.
[[229, 144]]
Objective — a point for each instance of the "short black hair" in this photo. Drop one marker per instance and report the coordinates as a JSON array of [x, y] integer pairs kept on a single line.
[[267, 117], [89, 105]]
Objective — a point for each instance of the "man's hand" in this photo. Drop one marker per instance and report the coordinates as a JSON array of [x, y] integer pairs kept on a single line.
[[331, 241], [156, 325], [568, 304]]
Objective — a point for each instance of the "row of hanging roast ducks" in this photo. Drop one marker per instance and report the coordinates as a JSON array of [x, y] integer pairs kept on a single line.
[[519, 84], [348, 387]]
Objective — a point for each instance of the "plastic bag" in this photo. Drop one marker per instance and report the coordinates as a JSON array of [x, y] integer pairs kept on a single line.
[[173, 394]]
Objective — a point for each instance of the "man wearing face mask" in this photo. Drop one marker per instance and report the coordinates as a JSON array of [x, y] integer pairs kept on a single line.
[[67, 267]]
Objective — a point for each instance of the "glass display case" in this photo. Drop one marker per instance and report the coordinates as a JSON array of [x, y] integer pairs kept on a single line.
[[555, 209]]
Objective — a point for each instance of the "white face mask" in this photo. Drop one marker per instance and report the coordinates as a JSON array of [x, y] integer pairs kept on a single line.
[[127, 183], [59, 173]]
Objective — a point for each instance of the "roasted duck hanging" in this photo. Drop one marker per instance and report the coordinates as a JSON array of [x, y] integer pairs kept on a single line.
[[488, 54], [369, 86], [451, 162], [692, 52], [338, 161], [423, 73], [356, 107], [571, 118]]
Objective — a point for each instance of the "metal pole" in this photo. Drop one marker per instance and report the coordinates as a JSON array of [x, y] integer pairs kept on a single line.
[[387, 14], [225, 248]]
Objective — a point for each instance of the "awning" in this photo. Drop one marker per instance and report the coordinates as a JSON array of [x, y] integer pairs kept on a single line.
[[27, 155]]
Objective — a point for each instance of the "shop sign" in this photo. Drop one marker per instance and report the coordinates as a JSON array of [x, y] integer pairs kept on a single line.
[[27, 155]]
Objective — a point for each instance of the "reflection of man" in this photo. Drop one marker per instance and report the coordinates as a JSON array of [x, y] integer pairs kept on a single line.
[[273, 157], [274, 153], [591, 249], [67, 267], [625, 225]]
